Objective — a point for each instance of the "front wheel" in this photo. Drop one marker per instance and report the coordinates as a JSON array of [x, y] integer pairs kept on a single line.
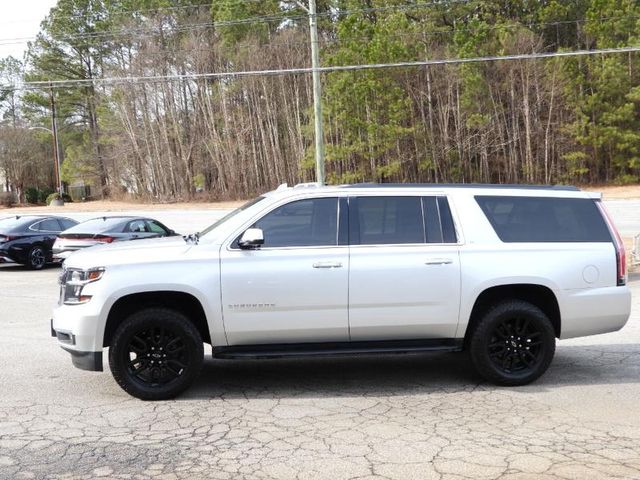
[[156, 354], [513, 344]]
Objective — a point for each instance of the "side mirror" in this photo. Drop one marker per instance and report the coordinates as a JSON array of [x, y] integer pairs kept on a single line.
[[251, 238]]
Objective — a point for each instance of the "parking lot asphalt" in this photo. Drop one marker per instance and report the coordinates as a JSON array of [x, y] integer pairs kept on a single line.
[[395, 417]]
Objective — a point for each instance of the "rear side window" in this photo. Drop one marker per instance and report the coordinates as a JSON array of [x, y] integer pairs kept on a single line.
[[138, 226], [400, 220], [544, 219], [49, 225], [389, 220]]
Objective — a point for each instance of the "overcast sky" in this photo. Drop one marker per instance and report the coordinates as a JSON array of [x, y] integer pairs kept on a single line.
[[20, 19]]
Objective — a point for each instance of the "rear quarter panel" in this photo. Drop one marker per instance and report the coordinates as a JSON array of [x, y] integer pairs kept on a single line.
[[582, 276]]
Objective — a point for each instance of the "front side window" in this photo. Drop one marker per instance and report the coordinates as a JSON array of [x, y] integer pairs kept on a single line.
[[156, 227], [303, 223], [388, 220]]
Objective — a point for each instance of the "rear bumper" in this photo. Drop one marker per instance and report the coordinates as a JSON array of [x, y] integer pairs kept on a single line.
[[594, 311], [61, 255]]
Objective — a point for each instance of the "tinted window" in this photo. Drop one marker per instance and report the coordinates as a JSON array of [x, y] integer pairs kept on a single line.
[[155, 227], [388, 220], [543, 219], [432, 220], [138, 226], [311, 222], [448, 229], [49, 225], [66, 223]]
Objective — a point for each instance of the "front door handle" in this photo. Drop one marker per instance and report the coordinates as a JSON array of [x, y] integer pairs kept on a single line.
[[438, 261], [327, 265]]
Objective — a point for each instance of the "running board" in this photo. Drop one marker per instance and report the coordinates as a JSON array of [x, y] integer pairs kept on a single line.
[[337, 348]]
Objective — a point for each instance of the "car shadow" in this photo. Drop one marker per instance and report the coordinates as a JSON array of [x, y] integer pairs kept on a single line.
[[402, 374], [15, 267]]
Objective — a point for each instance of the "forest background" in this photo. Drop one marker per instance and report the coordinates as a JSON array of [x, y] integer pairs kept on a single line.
[[160, 129]]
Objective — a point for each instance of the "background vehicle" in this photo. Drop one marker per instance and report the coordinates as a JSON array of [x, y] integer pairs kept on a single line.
[[498, 271], [103, 230], [28, 239]]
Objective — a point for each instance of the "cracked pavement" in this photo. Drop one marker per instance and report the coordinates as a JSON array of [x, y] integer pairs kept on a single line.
[[390, 417]]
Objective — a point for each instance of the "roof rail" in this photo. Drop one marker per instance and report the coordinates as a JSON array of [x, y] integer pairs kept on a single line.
[[308, 185], [463, 185]]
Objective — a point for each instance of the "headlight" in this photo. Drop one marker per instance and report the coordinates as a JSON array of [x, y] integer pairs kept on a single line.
[[72, 281]]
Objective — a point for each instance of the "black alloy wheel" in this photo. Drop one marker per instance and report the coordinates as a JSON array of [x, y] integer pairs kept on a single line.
[[516, 345], [36, 258], [513, 343], [156, 354]]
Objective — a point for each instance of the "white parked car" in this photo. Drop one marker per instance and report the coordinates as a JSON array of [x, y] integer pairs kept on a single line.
[[499, 271]]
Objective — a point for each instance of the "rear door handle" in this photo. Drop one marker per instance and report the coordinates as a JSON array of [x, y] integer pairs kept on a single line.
[[438, 261], [327, 265]]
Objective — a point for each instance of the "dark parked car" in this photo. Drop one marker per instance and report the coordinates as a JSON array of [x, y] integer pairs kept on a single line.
[[107, 230], [27, 239]]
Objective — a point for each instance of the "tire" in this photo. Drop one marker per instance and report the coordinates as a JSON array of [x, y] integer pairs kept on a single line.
[[140, 347], [513, 344], [36, 258]]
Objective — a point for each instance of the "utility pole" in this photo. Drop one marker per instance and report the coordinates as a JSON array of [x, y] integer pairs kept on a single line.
[[317, 88], [56, 143]]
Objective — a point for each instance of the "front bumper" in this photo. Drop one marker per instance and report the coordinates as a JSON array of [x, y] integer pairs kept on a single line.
[[5, 256], [91, 361], [76, 329], [5, 259]]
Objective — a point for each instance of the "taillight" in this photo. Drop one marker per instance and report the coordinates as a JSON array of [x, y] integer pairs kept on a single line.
[[6, 238], [104, 238], [621, 256]]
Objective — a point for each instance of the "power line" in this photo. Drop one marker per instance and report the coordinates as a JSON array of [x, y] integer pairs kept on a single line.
[[247, 21], [294, 71], [329, 41]]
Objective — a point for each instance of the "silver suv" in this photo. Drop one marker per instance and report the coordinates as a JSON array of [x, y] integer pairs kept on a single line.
[[499, 271]]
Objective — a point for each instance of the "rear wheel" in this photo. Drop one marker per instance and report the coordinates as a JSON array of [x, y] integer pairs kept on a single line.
[[156, 354], [36, 258], [513, 344]]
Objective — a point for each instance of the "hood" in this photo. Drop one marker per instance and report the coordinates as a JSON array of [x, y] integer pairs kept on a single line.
[[129, 252]]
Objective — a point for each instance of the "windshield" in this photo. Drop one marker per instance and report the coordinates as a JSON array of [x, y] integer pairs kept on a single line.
[[231, 214]]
